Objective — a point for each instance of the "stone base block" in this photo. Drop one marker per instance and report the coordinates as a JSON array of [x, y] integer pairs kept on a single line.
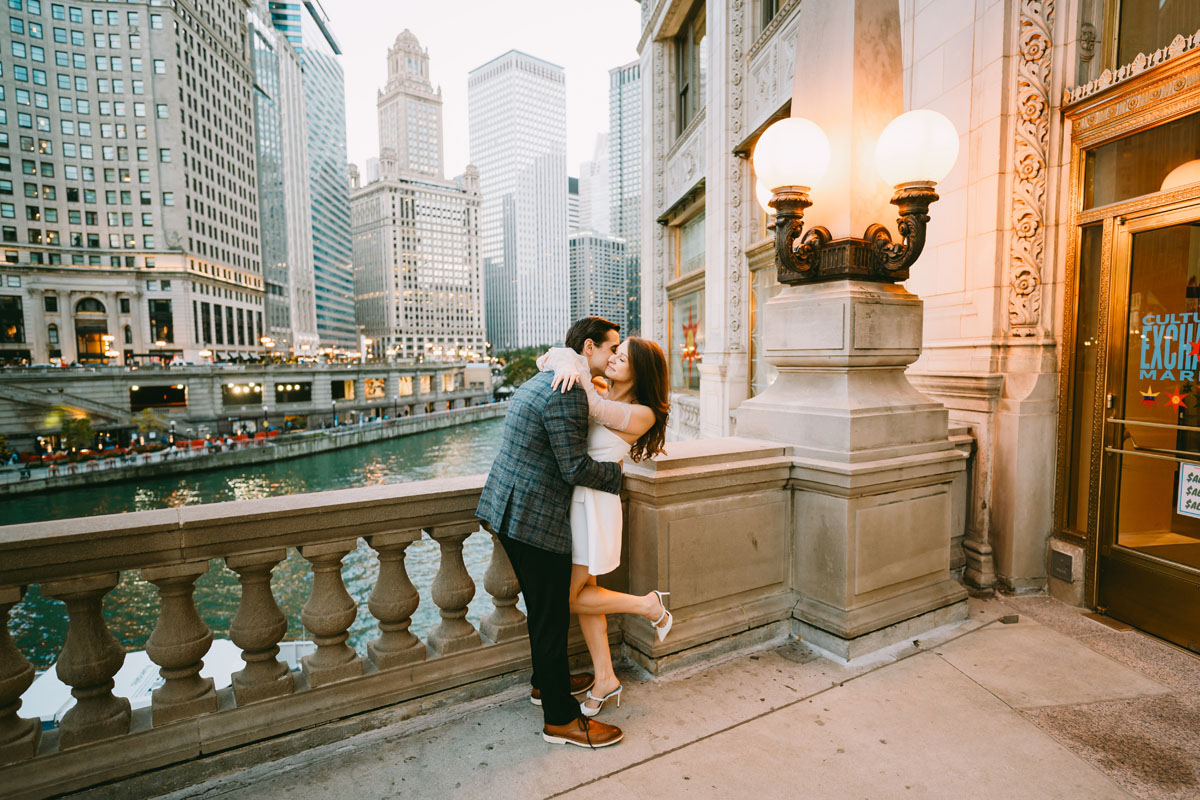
[[386, 659], [657, 665], [444, 646], [24, 744], [323, 676], [246, 693], [115, 722], [498, 633], [876, 640], [204, 703]]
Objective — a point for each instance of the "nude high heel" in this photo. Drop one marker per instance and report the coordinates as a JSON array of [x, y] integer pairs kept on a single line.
[[663, 628]]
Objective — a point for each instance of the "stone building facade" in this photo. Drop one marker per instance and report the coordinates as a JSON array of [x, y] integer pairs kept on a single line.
[[1078, 124], [127, 196]]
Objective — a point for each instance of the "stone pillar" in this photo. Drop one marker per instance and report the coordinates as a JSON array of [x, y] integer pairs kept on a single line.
[[393, 601], [19, 737], [452, 592], [257, 629], [505, 621], [89, 659], [328, 614], [66, 335], [873, 464], [113, 324], [178, 643]]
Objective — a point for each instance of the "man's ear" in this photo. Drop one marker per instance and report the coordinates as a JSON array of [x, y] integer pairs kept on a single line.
[[588, 347]]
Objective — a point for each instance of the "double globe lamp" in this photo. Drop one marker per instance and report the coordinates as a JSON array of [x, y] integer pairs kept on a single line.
[[914, 152]]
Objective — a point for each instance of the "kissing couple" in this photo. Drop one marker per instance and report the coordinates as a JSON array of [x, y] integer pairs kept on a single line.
[[552, 500]]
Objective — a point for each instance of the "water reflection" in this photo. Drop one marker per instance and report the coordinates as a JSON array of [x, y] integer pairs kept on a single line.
[[39, 624]]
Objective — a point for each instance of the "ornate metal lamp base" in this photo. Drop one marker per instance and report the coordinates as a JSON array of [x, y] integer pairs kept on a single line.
[[816, 256]]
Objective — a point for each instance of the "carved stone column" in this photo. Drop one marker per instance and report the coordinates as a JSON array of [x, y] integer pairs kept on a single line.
[[393, 601], [257, 629], [19, 737], [505, 621], [452, 592], [328, 614], [89, 659], [178, 643]]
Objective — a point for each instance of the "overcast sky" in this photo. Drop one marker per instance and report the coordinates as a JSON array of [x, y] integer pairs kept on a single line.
[[587, 39]]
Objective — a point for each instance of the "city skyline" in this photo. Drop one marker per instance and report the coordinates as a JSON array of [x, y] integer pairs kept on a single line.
[[483, 31]]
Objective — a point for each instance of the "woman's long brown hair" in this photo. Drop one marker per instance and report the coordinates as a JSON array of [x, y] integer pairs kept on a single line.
[[651, 389]]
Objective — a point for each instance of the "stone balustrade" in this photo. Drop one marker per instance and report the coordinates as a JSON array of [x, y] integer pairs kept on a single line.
[[711, 521]]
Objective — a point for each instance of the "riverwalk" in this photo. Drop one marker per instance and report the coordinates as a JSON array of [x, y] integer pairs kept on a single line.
[[239, 453], [1027, 698]]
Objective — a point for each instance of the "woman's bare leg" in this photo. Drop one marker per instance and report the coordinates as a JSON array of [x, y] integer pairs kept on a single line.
[[595, 633], [592, 599]]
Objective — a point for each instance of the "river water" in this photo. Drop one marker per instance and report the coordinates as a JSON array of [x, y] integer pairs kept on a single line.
[[39, 624]]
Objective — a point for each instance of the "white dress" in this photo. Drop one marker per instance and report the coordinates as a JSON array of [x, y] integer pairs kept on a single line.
[[596, 515]]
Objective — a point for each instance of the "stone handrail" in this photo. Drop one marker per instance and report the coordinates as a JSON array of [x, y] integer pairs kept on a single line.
[[79, 561]]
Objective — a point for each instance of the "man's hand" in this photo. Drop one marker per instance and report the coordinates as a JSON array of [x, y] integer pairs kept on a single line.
[[601, 384]]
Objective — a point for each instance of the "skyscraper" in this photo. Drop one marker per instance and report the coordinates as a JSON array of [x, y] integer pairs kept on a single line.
[[284, 197], [306, 26], [625, 177], [417, 270], [136, 234], [518, 135], [572, 205], [598, 277], [593, 189]]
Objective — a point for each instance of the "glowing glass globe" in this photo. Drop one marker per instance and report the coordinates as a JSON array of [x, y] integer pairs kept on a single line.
[[919, 145], [792, 152], [763, 196]]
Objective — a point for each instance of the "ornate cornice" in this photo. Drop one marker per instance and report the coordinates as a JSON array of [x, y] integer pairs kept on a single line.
[[1157, 96], [1108, 78], [1028, 243], [778, 21]]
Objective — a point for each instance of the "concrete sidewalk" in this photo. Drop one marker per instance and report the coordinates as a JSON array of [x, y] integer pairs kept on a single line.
[[1055, 705]]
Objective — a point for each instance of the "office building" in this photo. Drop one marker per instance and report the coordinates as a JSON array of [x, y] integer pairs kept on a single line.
[[594, 212], [624, 190], [572, 205], [598, 277]]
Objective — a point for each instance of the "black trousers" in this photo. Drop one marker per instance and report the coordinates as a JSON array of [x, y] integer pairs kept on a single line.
[[545, 580]]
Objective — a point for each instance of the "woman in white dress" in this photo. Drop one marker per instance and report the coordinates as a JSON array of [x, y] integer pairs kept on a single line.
[[628, 418]]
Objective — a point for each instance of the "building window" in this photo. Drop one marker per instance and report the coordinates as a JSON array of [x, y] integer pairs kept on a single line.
[[765, 286], [50, 303], [1140, 164], [218, 329], [689, 245], [687, 340], [52, 334], [128, 335], [1144, 26], [206, 322], [12, 320], [124, 305], [162, 328], [691, 68]]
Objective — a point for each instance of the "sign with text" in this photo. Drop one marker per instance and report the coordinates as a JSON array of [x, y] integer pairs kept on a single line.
[[1189, 490], [1170, 347]]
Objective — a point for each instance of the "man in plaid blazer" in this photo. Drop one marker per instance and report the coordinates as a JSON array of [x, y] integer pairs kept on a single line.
[[526, 502]]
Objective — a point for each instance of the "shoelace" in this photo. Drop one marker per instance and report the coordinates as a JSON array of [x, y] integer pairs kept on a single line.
[[585, 726]]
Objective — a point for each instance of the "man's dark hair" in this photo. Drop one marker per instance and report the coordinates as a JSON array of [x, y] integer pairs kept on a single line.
[[594, 328]]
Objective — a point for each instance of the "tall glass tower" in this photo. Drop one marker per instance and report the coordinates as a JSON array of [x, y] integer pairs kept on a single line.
[[625, 179], [306, 26], [517, 109]]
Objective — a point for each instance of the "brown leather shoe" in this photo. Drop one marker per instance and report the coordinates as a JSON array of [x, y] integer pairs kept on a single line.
[[583, 732], [580, 682]]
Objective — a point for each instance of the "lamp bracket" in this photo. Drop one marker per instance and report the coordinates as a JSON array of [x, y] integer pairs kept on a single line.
[[815, 256]]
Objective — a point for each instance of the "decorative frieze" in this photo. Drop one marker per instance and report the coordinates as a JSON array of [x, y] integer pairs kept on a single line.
[[1032, 133], [1109, 77], [737, 188]]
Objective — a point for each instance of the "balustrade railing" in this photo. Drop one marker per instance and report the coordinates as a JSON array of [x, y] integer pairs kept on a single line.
[[80, 561]]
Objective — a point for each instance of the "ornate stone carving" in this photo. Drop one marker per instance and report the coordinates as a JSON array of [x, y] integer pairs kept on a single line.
[[452, 592], [178, 644], [689, 416], [685, 161], [737, 261], [257, 628], [506, 620], [1027, 249], [659, 123], [328, 614], [1144, 61]]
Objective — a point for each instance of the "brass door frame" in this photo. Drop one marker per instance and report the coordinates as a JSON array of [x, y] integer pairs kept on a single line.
[[1162, 94]]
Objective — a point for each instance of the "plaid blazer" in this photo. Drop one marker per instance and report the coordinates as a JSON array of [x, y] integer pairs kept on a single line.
[[543, 456]]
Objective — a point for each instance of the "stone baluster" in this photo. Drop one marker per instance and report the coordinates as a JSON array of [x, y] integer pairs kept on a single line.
[[328, 614], [393, 601], [257, 628], [178, 644], [505, 621], [452, 592], [19, 737], [89, 659]]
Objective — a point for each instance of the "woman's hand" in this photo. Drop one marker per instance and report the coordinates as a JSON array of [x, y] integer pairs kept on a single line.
[[566, 377]]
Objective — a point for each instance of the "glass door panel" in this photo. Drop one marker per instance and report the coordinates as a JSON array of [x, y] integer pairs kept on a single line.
[[1150, 547]]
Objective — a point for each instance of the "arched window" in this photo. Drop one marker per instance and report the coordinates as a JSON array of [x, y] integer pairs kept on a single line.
[[52, 334], [89, 305], [128, 335]]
